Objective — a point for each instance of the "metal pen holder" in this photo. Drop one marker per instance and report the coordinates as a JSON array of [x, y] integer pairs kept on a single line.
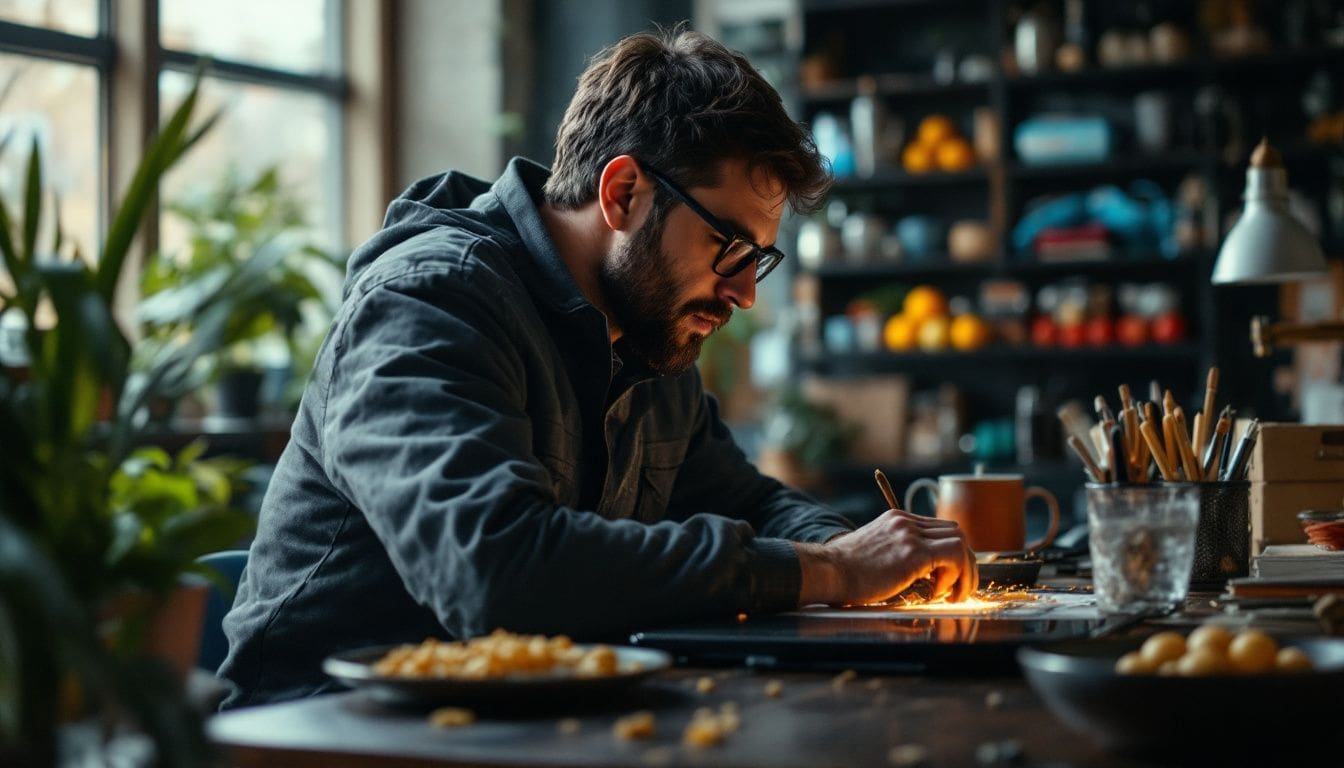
[[1222, 535]]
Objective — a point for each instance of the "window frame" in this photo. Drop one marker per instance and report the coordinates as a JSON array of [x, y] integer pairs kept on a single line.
[[128, 56]]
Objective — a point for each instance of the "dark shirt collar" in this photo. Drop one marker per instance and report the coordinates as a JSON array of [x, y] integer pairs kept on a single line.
[[519, 191]]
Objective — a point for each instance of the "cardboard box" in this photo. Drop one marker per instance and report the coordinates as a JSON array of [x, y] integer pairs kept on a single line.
[[877, 405], [1274, 508], [1299, 453]]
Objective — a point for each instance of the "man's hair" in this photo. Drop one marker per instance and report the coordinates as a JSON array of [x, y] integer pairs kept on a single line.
[[682, 103]]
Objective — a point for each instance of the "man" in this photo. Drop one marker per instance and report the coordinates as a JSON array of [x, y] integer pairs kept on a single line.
[[504, 427]]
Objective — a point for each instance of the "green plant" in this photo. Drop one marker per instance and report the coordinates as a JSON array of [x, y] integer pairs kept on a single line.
[[811, 431], [83, 519], [250, 265]]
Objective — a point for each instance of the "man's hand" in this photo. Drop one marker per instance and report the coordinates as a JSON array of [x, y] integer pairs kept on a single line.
[[884, 557]]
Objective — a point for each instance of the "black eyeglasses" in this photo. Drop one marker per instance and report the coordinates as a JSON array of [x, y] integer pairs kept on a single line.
[[737, 252]]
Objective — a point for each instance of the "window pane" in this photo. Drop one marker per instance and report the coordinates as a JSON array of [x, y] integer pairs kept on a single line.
[[58, 104], [78, 17], [290, 35], [261, 126]]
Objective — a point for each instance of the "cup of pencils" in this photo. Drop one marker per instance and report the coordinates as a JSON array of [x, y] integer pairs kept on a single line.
[[1154, 443]]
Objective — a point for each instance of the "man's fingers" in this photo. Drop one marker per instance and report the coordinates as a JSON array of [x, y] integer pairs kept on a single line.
[[949, 568], [969, 579]]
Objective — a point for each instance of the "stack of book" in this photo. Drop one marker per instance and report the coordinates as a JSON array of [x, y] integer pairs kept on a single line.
[[1292, 570]]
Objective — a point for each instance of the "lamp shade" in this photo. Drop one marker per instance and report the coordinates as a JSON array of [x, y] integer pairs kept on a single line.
[[1267, 244]]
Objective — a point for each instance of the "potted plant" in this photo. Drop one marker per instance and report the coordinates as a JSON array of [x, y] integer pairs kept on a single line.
[[800, 438], [92, 526], [251, 265]]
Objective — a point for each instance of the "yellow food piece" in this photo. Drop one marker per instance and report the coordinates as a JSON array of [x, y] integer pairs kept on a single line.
[[935, 334], [1201, 662], [1210, 636], [705, 685], [1168, 668], [968, 332], [1292, 660], [451, 717], [934, 129], [918, 157], [954, 154], [923, 302], [1163, 647], [1252, 652], [1135, 663], [899, 333], [496, 655], [774, 688], [840, 680], [639, 725]]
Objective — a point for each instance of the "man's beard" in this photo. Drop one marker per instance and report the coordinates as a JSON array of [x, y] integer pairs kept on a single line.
[[642, 298]]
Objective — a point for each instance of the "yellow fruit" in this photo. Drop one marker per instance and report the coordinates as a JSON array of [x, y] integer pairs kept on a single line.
[[933, 333], [1135, 663], [899, 333], [1201, 662], [1163, 647], [918, 157], [934, 129], [954, 154], [969, 332], [923, 302], [1292, 660], [1211, 637], [1252, 652]]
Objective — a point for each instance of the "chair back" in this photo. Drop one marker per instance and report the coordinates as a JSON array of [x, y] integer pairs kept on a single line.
[[214, 645]]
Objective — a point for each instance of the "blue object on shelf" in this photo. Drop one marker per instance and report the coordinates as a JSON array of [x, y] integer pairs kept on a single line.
[[1055, 139]]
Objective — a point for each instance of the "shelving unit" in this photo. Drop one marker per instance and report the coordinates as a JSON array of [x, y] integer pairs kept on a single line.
[[888, 49]]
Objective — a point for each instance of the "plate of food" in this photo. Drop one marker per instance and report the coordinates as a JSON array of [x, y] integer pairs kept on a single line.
[[497, 668], [1216, 694]]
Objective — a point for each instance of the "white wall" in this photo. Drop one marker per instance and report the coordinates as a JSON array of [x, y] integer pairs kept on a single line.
[[450, 92]]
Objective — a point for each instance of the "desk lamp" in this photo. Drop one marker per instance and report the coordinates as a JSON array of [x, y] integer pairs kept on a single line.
[[1269, 245]]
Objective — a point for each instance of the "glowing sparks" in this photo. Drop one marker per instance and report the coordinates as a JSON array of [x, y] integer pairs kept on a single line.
[[970, 605]]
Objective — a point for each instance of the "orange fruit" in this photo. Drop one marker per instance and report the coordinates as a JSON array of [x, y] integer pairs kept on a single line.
[[968, 332], [923, 302], [954, 154], [934, 129], [933, 333], [899, 333], [918, 157]]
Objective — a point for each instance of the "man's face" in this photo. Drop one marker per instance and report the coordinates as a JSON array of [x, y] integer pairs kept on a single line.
[[660, 285]]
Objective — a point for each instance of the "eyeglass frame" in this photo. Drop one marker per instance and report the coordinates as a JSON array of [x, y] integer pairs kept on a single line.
[[768, 255]]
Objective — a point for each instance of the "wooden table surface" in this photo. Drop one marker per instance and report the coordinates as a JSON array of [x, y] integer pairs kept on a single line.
[[816, 721]]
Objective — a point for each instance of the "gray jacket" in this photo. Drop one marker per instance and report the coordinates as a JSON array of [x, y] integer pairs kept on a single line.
[[470, 454]]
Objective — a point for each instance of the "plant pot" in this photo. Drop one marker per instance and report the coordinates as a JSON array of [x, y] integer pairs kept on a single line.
[[787, 468], [238, 394], [171, 627]]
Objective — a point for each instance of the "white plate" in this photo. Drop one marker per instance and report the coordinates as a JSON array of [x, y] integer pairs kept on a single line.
[[356, 669]]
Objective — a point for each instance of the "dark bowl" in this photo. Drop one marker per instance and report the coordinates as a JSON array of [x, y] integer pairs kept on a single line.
[[1011, 572], [1184, 719]]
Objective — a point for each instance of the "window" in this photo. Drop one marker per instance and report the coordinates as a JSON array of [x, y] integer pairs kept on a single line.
[[279, 88], [275, 69]]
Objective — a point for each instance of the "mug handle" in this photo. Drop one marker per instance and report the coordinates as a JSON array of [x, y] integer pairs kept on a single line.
[[914, 488], [1053, 504]]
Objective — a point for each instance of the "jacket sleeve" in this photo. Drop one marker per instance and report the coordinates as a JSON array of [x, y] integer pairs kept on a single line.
[[424, 430], [717, 477]]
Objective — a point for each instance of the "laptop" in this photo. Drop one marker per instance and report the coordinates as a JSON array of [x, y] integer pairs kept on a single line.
[[864, 642]]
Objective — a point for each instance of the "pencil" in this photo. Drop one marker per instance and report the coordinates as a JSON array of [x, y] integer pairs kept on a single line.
[[1169, 430], [885, 487], [1188, 461], [1206, 427], [1149, 433], [1080, 448]]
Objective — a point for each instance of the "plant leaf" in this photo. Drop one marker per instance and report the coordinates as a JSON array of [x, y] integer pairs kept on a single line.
[[32, 206], [166, 147]]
